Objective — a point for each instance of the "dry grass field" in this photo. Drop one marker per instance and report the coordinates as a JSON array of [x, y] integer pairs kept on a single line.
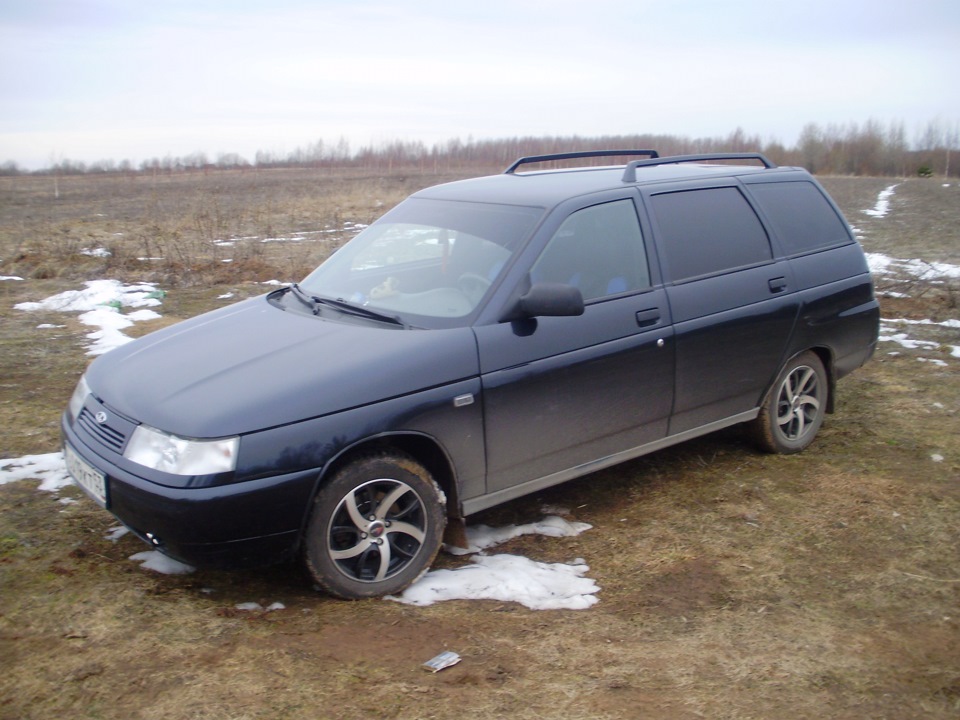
[[734, 585]]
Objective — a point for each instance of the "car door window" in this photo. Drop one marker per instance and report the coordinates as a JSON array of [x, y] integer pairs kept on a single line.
[[709, 231], [801, 216], [599, 250]]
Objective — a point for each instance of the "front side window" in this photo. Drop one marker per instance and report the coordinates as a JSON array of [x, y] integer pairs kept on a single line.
[[599, 250], [709, 231]]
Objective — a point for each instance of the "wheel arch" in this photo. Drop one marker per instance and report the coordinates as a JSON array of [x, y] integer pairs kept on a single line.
[[826, 357], [422, 448]]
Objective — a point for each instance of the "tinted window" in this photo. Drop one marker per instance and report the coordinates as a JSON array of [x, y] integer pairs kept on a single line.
[[708, 231], [800, 215], [599, 250]]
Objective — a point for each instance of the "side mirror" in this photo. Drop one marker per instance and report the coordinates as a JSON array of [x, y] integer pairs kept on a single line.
[[547, 300]]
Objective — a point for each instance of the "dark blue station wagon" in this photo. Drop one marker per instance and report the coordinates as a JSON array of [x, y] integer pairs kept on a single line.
[[482, 340]]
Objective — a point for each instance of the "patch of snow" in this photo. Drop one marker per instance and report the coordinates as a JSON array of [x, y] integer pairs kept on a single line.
[[507, 578], [49, 468], [158, 562], [908, 321], [275, 282], [99, 305], [510, 578], [48, 326], [937, 458], [115, 533], [97, 293], [933, 361], [881, 264], [96, 252], [254, 607], [111, 324], [482, 537], [883, 203], [10, 277], [225, 296], [904, 340]]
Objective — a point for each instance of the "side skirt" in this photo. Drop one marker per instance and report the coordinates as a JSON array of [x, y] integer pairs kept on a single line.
[[475, 505]]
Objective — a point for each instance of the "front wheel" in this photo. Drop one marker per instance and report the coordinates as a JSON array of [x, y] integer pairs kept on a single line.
[[793, 412], [375, 527]]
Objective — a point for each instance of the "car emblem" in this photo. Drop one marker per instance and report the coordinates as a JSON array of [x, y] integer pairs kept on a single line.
[[101, 417]]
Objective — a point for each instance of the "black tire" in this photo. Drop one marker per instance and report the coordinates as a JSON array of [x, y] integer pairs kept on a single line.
[[795, 407], [375, 528]]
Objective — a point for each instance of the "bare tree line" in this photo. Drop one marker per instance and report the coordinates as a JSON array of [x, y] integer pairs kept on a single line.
[[834, 149]]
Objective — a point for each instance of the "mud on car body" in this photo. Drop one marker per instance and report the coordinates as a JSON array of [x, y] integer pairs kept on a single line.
[[483, 340]]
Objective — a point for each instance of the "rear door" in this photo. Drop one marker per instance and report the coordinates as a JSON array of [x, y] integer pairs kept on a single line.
[[561, 393], [733, 303]]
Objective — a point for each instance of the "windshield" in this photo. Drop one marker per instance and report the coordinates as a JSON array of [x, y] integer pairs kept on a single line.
[[425, 258]]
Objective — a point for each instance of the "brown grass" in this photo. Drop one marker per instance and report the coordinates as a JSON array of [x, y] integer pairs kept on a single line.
[[734, 585]]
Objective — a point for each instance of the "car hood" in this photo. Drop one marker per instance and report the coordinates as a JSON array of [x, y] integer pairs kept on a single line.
[[253, 366]]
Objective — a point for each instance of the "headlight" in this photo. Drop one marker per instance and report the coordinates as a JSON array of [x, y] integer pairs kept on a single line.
[[179, 456], [79, 397]]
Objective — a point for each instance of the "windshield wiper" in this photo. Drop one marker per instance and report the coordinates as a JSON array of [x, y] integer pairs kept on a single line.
[[314, 302], [359, 310], [311, 301]]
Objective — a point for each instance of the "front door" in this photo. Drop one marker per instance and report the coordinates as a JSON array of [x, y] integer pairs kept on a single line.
[[561, 394]]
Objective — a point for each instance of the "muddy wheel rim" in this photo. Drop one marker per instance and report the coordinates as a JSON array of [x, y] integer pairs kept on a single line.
[[377, 530], [798, 403]]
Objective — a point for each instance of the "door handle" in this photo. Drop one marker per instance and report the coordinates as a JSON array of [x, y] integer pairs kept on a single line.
[[648, 317], [778, 284]]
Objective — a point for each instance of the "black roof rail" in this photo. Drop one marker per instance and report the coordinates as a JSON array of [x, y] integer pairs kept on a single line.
[[630, 172], [573, 155]]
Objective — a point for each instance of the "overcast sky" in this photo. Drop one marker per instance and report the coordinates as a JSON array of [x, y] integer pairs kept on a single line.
[[88, 80]]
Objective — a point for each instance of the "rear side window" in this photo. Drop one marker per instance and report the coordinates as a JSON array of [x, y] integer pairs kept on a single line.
[[709, 231], [800, 215]]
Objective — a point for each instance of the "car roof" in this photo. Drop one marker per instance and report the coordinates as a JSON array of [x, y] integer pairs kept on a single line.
[[550, 187]]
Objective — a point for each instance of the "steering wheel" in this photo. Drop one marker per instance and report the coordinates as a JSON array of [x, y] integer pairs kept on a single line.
[[473, 286]]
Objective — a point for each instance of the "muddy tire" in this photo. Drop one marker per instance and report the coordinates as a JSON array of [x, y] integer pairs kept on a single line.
[[794, 409], [375, 528]]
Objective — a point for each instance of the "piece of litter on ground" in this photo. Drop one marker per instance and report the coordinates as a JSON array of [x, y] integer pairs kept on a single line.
[[441, 661]]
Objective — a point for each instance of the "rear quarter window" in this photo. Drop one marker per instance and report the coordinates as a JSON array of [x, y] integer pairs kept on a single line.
[[801, 216], [709, 231]]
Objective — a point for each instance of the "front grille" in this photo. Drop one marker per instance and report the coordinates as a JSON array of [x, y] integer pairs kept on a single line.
[[107, 433]]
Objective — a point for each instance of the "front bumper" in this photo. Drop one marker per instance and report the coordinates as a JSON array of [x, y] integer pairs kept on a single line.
[[238, 524]]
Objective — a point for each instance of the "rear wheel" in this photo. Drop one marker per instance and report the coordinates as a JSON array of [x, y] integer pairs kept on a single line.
[[375, 527], [794, 410]]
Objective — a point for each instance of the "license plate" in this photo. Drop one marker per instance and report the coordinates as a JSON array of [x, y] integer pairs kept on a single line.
[[86, 476]]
